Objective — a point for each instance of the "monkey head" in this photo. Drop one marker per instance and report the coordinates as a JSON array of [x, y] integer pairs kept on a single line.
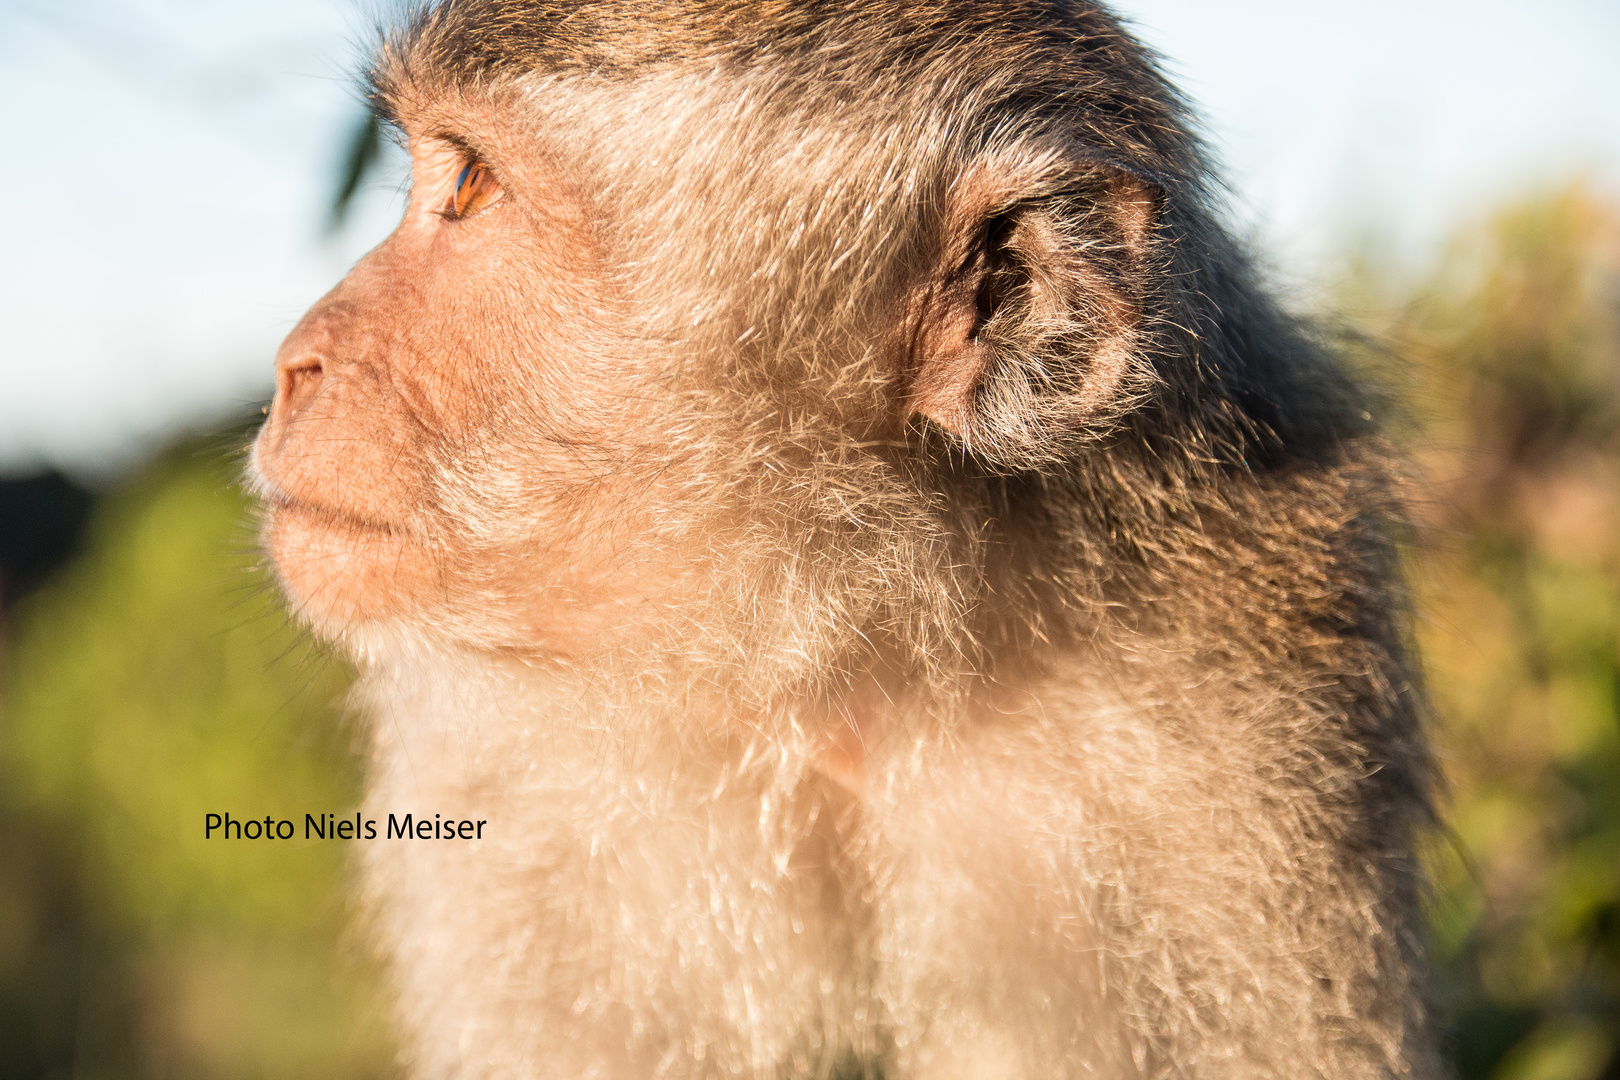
[[662, 336]]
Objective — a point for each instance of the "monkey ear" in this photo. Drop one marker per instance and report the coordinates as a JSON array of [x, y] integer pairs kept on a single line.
[[1027, 340]]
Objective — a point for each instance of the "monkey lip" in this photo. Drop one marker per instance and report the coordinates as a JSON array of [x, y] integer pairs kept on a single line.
[[317, 514]]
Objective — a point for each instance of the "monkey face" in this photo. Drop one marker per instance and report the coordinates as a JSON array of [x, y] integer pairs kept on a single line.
[[612, 381], [443, 432]]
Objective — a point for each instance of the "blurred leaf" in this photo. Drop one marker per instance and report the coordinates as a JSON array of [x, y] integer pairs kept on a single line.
[[362, 155], [1512, 352]]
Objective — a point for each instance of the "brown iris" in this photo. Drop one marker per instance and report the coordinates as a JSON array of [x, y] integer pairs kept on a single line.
[[476, 189]]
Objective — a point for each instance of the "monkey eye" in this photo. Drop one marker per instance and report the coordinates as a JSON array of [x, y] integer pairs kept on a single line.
[[475, 190]]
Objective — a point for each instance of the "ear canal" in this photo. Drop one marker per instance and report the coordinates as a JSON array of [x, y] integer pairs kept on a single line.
[[997, 273], [959, 307], [1030, 343]]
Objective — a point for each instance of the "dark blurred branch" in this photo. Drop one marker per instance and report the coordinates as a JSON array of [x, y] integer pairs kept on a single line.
[[363, 154], [42, 518]]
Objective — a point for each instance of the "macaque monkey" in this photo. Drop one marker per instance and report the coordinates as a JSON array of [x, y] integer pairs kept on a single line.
[[819, 482]]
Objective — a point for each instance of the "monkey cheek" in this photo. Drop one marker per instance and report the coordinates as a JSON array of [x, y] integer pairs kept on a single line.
[[340, 575]]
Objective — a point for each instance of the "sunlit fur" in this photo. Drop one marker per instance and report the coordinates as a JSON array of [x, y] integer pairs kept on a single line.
[[1120, 649]]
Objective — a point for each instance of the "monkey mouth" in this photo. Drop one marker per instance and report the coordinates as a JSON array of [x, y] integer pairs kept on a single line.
[[315, 513], [341, 569], [280, 504]]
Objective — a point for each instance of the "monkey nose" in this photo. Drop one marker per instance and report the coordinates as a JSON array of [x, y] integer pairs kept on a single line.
[[297, 381]]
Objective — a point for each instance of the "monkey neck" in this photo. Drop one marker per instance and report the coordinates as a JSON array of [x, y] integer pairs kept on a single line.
[[855, 720], [844, 759], [493, 718]]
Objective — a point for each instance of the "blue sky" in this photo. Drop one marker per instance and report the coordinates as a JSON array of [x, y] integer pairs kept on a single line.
[[171, 163]]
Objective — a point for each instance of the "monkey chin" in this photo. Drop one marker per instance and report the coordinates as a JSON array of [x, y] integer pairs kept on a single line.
[[342, 573], [373, 589]]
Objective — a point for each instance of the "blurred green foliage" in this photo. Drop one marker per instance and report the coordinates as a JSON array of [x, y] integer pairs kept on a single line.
[[1510, 356], [155, 680]]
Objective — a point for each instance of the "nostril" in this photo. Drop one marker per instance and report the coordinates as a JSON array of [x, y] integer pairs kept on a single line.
[[296, 384]]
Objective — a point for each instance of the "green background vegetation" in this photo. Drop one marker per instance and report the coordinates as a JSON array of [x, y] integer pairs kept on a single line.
[[154, 679], [1510, 355], [150, 682]]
